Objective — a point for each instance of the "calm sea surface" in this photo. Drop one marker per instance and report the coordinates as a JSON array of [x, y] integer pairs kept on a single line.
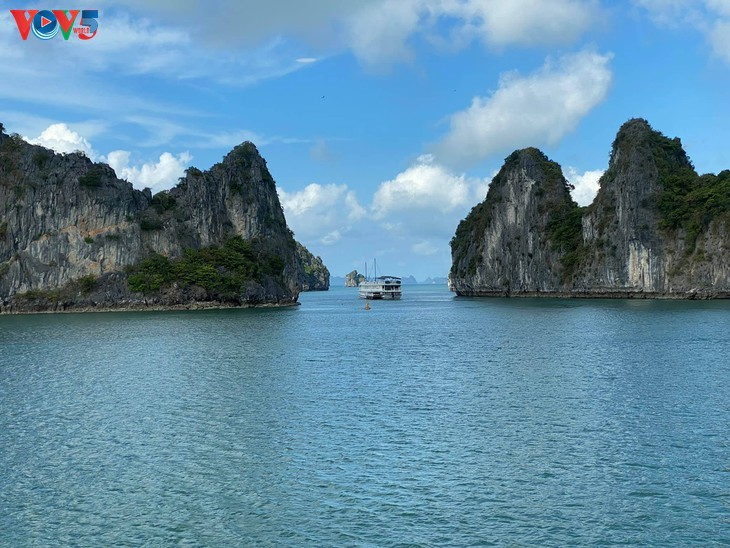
[[431, 421]]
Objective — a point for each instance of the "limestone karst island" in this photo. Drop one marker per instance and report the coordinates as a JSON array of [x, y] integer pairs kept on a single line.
[[75, 237], [656, 228]]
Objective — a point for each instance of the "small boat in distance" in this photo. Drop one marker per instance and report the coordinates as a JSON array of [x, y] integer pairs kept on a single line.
[[380, 287]]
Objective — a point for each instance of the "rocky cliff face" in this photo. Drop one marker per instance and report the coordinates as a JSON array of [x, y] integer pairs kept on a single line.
[[655, 229], [313, 275], [353, 279], [656, 226], [515, 240], [72, 235]]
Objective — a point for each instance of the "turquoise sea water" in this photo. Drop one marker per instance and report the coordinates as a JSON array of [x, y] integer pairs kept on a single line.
[[428, 422]]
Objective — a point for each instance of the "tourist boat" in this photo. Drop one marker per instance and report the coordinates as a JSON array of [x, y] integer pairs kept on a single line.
[[382, 287]]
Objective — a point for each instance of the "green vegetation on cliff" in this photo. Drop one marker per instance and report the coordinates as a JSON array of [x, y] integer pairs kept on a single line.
[[564, 227], [565, 232], [687, 201], [92, 178], [467, 233], [221, 270], [163, 201], [80, 286], [313, 274]]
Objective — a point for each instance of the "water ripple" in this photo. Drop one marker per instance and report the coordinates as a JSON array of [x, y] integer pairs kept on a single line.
[[433, 421]]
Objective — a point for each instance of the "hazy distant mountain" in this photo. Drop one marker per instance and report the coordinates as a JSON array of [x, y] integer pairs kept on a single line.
[[439, 280], [336, 281]]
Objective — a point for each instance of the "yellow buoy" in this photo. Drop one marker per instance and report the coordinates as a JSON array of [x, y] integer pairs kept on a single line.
[[367, 305]]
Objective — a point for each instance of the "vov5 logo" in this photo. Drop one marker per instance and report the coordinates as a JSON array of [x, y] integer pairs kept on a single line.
[[45, 24]]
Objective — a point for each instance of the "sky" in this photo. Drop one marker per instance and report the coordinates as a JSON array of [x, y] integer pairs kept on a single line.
[[382, 121]]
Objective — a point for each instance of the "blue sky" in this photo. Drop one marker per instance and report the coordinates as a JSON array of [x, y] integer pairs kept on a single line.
[[382, 121]]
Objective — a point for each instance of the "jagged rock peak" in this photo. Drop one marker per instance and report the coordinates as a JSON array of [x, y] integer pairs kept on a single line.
[[531, 159], [525, 157], [531, 172], [245, 151], [636, 137], [634, 127], [655, 229], [531, 164]]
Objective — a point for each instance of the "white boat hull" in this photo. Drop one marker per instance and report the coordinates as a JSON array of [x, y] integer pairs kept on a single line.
[[380, 296]]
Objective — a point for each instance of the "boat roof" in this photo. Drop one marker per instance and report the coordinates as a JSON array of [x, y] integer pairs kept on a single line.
[[387, 277]]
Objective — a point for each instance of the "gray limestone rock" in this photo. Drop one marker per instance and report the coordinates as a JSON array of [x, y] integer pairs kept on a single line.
[[313, 275], [353, 279], [655, 229], [71, 232]]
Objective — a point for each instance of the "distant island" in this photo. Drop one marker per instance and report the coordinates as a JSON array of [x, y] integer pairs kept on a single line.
[[75, 237], [354, 278], [656, 229]]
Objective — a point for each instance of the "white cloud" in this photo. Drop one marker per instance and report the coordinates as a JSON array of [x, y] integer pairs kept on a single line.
[[355, 211], [719, 38], [133, 45], [425, 247], [424, 185], [331, 237], [61, 138], [419, 209], [710, 17], [317, 209], [107, 84], [183, 43], [244, 23], [586, 184], [96, 85], [671, 12], [412, 215], [530, 22], [243, 44], [421, 206], [379, 33], [720, 6], [535, 110], [384, 25], [159, 175], [313, 197]]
